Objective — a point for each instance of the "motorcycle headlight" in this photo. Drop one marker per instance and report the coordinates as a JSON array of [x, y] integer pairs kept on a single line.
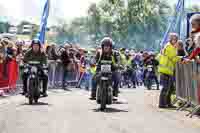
[[26, 70], [45, 71], [34, 69]]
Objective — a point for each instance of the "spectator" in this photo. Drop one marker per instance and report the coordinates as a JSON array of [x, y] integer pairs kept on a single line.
[[195, 34], [82, 63], [2, 53], [8, 56], [13, 72], [19, 46], [195, 22], [167, 62], [65, 58], [48, 49], [52, 57], [195, 52], [189, 46], [10, 50], [181, 51]]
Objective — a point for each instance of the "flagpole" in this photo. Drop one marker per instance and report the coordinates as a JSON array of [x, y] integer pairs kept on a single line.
[[44, 20]]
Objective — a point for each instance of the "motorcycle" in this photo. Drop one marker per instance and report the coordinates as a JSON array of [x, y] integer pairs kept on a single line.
[[34, 69], [104, 88]]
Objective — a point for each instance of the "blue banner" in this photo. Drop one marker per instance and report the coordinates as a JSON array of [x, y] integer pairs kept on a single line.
[[175, 23], [43, 24]]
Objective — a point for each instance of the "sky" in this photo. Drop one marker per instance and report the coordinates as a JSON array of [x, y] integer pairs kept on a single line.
[[32, 9]]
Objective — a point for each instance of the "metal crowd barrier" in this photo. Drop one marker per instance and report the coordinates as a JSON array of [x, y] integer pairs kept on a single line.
[[8, 79], [188, 85], [56, 76]]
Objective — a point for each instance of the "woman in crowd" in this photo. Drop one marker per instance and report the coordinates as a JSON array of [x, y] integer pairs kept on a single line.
[[189, 46], [181, 51]]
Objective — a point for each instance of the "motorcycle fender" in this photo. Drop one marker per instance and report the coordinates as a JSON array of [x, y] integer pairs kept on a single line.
[[104, 78]]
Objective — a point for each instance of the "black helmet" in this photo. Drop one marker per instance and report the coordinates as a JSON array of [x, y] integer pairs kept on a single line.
[[36, 41], [106, 41]]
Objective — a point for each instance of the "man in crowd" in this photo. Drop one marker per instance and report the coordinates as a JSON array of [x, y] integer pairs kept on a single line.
[[65, 58], [150, 60], [52, 58]]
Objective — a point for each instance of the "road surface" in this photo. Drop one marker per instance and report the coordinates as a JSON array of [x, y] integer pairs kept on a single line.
[[73, 112]]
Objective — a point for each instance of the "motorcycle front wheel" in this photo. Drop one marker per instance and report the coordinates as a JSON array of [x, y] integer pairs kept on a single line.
[[103, 96]]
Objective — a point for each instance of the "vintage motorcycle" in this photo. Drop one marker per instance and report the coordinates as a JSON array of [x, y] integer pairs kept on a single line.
[[34, 70], [104, 87]]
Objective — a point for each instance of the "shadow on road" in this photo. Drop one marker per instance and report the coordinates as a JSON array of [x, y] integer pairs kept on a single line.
[[59, 90], [110, 110], [36, 104], [120, 102]]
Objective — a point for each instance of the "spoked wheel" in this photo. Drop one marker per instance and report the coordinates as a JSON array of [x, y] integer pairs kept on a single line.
[[30, 92], [98, 94], [103, 97], [33, 92]]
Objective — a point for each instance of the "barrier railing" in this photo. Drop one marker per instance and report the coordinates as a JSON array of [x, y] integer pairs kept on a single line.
[[188, 85], [13, 79], [8, 75], [56, 75]]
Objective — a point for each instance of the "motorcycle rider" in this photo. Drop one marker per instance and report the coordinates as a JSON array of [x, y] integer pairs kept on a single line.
[[105, 54], [130, 68], [150, 60], [122, 56], [35, 54]]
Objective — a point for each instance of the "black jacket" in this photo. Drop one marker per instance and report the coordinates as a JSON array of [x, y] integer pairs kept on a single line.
[[65, 58], [100, 57]]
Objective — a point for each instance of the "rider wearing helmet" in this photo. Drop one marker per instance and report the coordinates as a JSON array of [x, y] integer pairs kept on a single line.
[[122, 56], [151, 60], [106, 53], [130, 68], [35, 54]]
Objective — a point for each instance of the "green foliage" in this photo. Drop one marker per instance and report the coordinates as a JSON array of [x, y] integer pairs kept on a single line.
[[35, 31], [20, 26], [194, 8], [137, 24], [4, 27]]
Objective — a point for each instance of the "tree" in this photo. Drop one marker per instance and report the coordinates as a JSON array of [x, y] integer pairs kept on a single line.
[[194, 8], [4, 27], [34, 31], [134, 23], [20, 26]]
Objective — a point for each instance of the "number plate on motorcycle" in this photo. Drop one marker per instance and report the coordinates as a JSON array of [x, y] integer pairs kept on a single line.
[[106, 68], [150, 69], [34, 69]]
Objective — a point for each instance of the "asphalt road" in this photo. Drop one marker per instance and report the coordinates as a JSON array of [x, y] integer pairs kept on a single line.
[[73, 112]]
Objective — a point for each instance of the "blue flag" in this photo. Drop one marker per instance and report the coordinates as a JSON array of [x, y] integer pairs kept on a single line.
[[43, 24], [175, 23]]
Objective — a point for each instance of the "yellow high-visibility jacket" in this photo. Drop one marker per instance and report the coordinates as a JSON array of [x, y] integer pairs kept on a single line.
[[123, 59], [93, 70], [168, 59]]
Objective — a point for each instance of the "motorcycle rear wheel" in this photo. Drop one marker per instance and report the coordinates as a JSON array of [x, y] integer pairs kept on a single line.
[[103, 97], [36, 100]]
